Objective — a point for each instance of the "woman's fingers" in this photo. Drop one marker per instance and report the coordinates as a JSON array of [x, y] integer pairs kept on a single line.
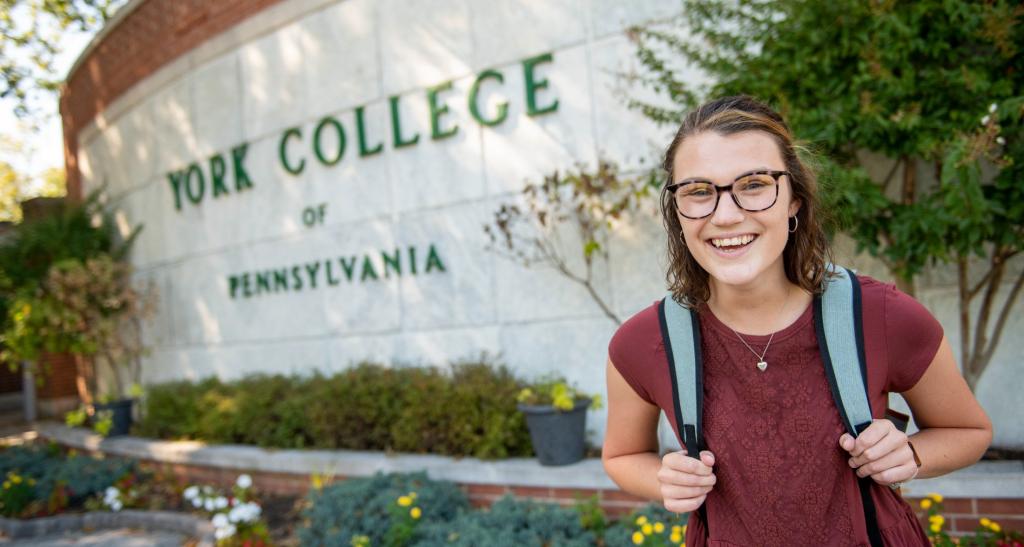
[[895, 441], [669, 491], [899, 457]]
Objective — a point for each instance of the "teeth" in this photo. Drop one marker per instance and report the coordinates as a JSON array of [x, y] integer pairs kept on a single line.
[[732, 241]]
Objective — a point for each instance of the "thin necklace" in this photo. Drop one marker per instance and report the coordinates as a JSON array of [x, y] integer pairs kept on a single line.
[[761, 363]]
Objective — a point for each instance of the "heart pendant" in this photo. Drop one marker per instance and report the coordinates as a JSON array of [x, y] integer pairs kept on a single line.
[[762, 365]]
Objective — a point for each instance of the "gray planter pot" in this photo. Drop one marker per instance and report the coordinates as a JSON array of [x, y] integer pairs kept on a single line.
[[121, 411], [557, 436]]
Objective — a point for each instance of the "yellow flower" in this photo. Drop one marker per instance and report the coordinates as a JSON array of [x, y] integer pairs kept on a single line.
[[415, 512], [684, 529], [641, 520], [937, 520], [405, 501], [659, 527], [936, 497], [995, 527], [412, 495], [935, 528], [16, 479], [985, 522], [676, 537], [7, 485], [647, 529], [638, 538], [677, 529], [926, 503]]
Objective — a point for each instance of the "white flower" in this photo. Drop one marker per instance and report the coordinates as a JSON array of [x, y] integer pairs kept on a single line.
[[992, 107], [191, 492], [984, 120], [111, 492], [208, 504], [220, 520], [207, 490], [221, 502], [244, 481], [224, 533], [196, 502], [1001, 141], [116, 506]]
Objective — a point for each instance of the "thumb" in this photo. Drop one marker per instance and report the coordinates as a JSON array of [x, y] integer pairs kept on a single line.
[[846, 442], [707, 458]]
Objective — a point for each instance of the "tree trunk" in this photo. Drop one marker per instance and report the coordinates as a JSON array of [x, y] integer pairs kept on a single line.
[[83, 379]]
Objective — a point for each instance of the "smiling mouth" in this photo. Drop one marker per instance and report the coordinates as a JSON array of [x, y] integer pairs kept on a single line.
[[732, 244]]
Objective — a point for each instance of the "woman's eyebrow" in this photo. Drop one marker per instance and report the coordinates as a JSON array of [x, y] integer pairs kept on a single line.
[[705, 179]]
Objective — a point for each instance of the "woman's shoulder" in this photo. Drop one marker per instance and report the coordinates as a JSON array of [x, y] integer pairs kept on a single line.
[[642, 325], [636, 349]]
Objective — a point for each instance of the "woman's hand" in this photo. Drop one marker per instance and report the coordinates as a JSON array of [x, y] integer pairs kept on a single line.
[[881, 452], [685, 481]]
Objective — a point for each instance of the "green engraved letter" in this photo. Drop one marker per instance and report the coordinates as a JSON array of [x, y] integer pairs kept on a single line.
[[283, 151], [436, 110], [474, 107], [242, 179], [396, 125], [532, 85], [364, 150], [341, 140], [217, 170]]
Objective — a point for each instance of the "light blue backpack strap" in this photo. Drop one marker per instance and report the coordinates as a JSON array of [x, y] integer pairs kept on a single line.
[[841, 341], [680, 331]]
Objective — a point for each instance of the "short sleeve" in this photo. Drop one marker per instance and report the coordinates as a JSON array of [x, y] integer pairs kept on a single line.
[[629, 350], [912, 335]]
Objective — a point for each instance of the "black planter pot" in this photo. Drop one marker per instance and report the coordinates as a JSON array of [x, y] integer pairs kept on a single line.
[[557, 436], [121, 416]]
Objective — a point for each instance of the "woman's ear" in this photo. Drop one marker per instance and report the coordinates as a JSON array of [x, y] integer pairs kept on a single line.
[[794, 206]]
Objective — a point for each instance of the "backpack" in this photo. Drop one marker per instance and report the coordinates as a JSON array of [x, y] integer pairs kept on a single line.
[[837, 324]]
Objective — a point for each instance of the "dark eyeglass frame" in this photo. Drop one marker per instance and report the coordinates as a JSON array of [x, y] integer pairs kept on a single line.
[[671, 189]]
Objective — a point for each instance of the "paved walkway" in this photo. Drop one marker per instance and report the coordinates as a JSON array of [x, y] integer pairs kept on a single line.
[[106, 538]]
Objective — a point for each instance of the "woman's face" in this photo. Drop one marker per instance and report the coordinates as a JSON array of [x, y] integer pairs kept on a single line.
[[720, 159]]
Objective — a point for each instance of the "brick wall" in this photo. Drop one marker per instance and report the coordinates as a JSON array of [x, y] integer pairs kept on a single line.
[[150, 36], [59, 377], [962, 514]]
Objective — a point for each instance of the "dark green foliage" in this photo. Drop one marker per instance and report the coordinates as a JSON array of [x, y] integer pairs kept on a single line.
[[81, 476], [932, 89], [363, 507], [173, 409], [510, 523], [469, 411]]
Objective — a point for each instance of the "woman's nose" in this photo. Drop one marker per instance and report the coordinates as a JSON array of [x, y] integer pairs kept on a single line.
[[726, 212]]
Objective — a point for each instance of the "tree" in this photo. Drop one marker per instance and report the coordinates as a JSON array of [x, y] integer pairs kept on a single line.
[[30, 41], [588, 202], [931, 85]]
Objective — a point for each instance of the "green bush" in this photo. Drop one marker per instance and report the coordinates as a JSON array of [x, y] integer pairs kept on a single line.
[[52, 475], [467, 411], [512, 523], [364, 507]]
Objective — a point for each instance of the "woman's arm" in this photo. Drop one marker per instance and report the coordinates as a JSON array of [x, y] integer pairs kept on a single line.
[[630, 452], [954, 429]]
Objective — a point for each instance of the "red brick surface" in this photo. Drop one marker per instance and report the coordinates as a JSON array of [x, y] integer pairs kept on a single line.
[[59, 376], [992, 507], [151, 36]]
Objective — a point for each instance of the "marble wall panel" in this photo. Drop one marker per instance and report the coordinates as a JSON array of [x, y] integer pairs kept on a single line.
[[461, 296], [217, 104], [341, 58], [527, 147], [273, 82], [423, 43], [506, 31]]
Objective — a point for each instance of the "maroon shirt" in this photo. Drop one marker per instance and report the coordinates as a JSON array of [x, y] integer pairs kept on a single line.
[[782, 477]]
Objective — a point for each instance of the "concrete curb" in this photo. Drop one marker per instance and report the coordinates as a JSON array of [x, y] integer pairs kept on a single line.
[[166, 521]]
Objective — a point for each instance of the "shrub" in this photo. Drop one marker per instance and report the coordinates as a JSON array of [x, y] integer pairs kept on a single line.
[[513, 523], [470, 411], [338, 513], [57, 480]]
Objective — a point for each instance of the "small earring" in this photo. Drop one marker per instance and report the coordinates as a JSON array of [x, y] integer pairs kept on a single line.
[[796, 222]]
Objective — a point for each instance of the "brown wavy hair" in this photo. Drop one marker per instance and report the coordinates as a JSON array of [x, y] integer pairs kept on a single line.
[[807, 251]]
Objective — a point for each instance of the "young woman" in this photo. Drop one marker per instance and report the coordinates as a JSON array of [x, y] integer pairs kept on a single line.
[[746, 249]]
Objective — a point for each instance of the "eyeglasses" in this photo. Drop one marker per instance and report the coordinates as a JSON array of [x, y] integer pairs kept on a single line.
[[752, 191]]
